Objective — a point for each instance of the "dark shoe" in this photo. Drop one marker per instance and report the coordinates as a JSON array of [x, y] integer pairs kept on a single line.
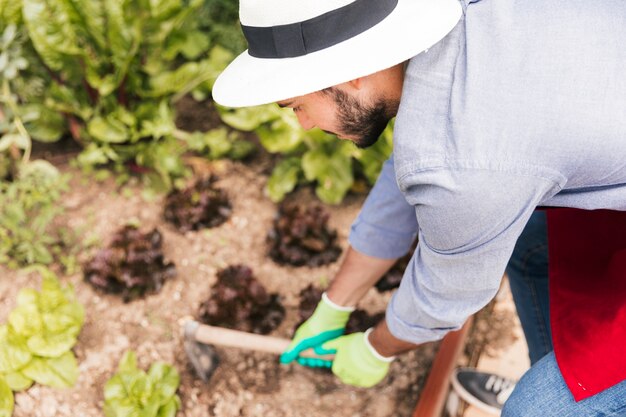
[[485, 391]]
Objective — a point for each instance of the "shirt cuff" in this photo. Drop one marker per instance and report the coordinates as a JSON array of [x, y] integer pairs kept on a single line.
[[412, 332], [379, 243]]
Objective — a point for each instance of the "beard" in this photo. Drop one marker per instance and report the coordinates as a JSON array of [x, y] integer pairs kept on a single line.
[[364, 122]]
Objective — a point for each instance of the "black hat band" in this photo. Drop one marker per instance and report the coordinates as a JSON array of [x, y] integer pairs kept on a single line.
[[321, 32]]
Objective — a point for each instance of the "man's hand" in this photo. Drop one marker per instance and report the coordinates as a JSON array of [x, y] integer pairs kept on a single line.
[[356, 361], [327, 322]]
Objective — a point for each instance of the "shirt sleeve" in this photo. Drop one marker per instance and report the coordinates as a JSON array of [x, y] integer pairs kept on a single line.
[[469, 223], [386, 225]]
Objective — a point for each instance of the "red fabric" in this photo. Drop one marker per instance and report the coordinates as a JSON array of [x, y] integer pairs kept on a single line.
[[587, 252]]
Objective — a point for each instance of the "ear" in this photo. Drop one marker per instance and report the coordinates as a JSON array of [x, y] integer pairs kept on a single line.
[[357, 83]]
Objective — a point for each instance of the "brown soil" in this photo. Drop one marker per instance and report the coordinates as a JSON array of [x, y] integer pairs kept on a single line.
[[245, 384]]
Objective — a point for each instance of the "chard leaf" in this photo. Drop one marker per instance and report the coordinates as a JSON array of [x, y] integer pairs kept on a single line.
[[119, 35], [6, 399], [108, 130], [332, 172], [194, 44], [105, 84], [14, 139], [249, 118], [50, 30], [93, 155], [61, 372], [49, 125], [283, 135], [218, 142], [182, 80], [284, 178]]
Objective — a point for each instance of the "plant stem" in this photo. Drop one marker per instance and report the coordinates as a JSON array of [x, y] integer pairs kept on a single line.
[[17, 121]]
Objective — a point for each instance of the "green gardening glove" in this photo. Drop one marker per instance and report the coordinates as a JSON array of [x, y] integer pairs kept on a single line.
[[327, 322], [356, 361]]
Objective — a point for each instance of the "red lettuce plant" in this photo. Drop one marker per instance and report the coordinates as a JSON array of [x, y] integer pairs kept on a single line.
[[132, 265], [301, 236], [239, 301]]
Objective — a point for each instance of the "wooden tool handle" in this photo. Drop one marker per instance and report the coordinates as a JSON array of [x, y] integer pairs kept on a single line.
[[220, 336]]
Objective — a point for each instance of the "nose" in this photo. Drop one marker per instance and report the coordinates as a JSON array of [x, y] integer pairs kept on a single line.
[[305, 121]]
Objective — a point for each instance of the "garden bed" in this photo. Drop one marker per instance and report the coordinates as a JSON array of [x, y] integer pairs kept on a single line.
[[245, 383]]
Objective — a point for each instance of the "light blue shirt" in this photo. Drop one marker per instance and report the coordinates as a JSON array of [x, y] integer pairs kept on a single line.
[[522, 105]]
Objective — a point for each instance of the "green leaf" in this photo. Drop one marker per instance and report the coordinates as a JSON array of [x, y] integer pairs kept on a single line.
[[93, 155], [160, 123], [333, 174], [120, 386], [26, 321], [132, 392], [13, 356], [165, 379], [105, 84], [170, 408], [108, 130], [48, 126], [50, 31], [40, 169], [120, 408], [17, 381], [51, 345], [193, 44], [14, 139], [128, 363], [61, 372], [241, 149], [6, 399], [284, 178], [249, 118], [283, 135]]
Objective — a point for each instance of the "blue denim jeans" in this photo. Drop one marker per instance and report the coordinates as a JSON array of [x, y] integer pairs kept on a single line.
[[542, 391], [528, 278]]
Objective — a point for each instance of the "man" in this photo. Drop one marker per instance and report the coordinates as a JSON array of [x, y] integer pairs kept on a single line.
[[503, 106]]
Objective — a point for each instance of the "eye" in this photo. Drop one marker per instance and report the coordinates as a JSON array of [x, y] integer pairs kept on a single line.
[[297, 109]]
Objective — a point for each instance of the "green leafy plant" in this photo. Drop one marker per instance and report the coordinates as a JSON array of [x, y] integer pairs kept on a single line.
[[14, 138], [133, 392], [221, 19], [36, 343], [309, 157], [112, 70], [29, 190], [28, 206]]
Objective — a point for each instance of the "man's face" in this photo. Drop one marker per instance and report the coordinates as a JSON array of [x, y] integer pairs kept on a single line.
[[336, 111]]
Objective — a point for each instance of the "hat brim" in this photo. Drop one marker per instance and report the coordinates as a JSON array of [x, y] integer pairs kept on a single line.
[[413, 26]]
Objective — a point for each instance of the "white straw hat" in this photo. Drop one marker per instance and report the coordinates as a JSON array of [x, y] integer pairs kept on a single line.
[[298, 47]]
